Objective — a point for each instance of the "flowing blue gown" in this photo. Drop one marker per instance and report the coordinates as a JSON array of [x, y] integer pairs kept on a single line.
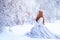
[[40, 31]]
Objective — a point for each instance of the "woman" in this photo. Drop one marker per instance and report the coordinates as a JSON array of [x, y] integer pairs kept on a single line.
[[39, 30], [40, 16]]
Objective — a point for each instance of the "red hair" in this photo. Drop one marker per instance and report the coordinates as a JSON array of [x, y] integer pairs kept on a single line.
[[40, 14]]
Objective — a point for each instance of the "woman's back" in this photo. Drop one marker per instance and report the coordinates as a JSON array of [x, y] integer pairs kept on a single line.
[[40, 21]]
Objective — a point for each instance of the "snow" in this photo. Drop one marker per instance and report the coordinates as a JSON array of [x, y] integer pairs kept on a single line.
[[18, 32], [20, 10], [54, 27]]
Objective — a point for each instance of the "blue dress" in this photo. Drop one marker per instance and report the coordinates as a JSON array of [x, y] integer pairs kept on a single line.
[[40, 31]]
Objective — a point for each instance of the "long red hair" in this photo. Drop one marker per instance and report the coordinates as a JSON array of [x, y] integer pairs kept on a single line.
[[40, 14]]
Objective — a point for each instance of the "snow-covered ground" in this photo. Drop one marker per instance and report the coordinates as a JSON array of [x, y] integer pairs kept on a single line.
[[18, 32]]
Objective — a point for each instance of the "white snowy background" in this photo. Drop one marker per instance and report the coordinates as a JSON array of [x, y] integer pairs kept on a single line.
[[15, 20]]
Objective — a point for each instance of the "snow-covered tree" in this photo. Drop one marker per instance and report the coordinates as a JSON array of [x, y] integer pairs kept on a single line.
[[15, 12]]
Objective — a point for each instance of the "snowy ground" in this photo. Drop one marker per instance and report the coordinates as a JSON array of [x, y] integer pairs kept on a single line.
[[18, 32]]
